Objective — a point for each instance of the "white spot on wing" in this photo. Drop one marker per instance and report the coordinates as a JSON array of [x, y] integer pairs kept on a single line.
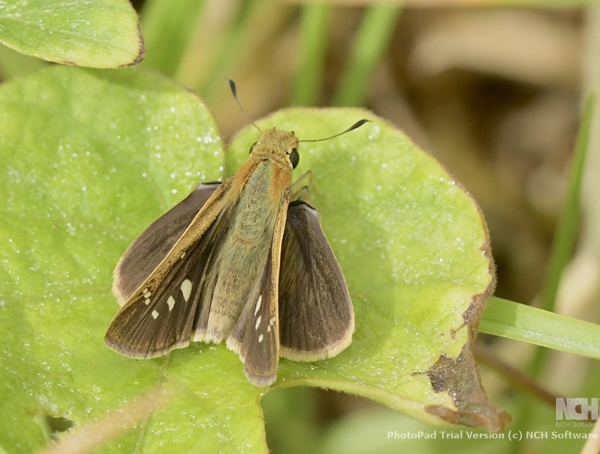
[[147, 301], [258, 303], [186, 289], [171, 303], [258, 322], [154, 315], [260, 338]]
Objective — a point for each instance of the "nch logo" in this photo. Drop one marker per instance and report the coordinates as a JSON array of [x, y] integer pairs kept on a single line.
[[579, 408]]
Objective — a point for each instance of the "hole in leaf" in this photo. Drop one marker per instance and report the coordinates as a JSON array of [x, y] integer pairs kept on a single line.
[[58, 424]]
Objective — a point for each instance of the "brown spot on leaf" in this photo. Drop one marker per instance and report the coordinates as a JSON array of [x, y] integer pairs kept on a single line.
[[459, 376], [460, 379]]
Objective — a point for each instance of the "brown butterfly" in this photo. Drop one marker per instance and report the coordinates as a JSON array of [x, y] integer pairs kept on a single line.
[[244, 261]]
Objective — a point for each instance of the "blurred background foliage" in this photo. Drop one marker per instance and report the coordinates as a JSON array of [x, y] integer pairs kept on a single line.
[[492, 89]]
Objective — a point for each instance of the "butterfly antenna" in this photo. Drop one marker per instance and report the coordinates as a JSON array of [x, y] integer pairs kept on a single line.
[[358, 124], [234, 92]]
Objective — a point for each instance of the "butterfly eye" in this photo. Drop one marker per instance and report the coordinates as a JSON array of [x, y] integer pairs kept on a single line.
[[252, 147], [294, 158]]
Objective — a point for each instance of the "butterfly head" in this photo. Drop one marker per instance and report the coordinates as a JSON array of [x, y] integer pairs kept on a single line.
[[282, 144]]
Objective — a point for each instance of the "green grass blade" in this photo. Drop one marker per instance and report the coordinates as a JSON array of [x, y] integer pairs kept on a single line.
[[370, 43], [168, 27], [231, 47], [566, 230], [307, 86], [540, 327]]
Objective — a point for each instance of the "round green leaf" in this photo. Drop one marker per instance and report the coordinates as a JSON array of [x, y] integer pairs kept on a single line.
[[414, 249], [98, 34], [91, 158]]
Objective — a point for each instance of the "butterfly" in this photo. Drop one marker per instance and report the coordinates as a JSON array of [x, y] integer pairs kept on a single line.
[[243, 261]]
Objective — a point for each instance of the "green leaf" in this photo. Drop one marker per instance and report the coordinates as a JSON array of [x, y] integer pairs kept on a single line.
[[98, 34], [91, 158], [413, 247]]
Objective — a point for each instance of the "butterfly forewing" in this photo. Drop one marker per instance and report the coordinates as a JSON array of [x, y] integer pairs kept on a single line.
[[154, 243], [161, 313], [315, 311]]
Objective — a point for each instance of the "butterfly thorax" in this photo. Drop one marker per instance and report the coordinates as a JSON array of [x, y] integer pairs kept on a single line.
[[255, 212]]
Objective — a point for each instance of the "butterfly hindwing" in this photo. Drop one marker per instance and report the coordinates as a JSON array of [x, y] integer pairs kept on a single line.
[[256, 334], [315, 311]]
